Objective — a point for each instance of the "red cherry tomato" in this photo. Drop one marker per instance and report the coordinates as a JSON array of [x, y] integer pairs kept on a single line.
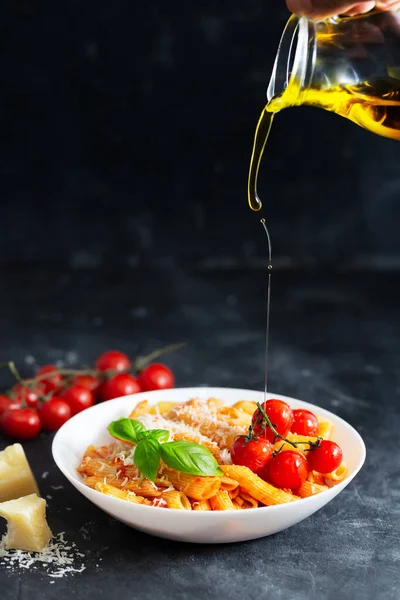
[[90, 382], [53, 382], [29, 395], [304, 422], [326, 458], [156, 377], [54, 413], [119, 385], [21, 423], [7, 403], [254, 454], [113, 360], [79, 398], [280, 415], [288, 469]]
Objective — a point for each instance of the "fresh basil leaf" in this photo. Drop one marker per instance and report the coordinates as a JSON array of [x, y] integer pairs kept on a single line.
[[126, 429], [162, 435], [190, 458], [147, 457]]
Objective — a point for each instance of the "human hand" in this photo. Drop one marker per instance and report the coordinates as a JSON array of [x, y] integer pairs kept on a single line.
[[328, 8]]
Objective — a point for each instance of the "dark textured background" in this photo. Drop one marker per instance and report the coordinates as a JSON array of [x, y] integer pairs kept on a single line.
[[125, 135]]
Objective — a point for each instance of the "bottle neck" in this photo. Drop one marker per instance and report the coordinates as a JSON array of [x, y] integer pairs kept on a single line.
[[295, 61]]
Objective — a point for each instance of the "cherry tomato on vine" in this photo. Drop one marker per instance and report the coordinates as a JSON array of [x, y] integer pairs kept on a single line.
[[29, 395], [90, 382], [280, 415], [54, 381], [288, 469], [254, 454], [79, 398], [156, 377], [119, 385], [7, 403], [113, 360], [54, 413], [21, 423], [304, 422], [326, 458]]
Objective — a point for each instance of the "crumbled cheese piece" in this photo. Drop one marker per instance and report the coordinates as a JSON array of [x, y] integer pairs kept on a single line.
[[118, 474], [225, 457], [128, 461], [160, 502], [169, 489], [125, 481], [45, 474], [57, 487], [27, 525], [16, 478]]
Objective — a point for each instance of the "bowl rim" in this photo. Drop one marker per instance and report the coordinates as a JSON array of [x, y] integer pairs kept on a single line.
[[193, 392]]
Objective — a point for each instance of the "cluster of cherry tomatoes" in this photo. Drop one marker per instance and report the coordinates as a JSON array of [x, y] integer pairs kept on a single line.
[[288, 469], [54, 395]]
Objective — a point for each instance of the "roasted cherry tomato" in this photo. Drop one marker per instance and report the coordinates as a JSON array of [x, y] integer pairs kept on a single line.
[[119, 385], [90, 382], [253, 454], [30, 396], [288, 469], [7, 403], [326, 458], [156, 377], [304, 422], [20, 423], [54, 381], [54, 413], [79, 398], [113, 360], [280, 415]]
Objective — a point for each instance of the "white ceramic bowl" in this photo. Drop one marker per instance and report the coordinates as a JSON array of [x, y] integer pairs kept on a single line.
[[89, 427]]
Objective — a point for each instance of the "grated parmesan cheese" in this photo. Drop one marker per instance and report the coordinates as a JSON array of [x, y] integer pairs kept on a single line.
[[58, 559], [160, 502], [169, 489], [225, 457], [125, 481]]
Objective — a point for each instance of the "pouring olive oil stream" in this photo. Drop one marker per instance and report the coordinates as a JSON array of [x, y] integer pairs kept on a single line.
[[349, 66]]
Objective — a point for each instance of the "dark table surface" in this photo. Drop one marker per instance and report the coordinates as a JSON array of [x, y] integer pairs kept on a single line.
[[334, 342]]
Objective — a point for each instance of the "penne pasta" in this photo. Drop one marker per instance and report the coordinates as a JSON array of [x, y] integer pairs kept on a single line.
[[245, 406], [221, 501], [308, 488], [176, 500], [248, 501], [228, 484], [141, 408], [110, 490], [316, 477], [257, 487], [201, 505], [197, 488], [325, 428], [162, 408], [337, 476]]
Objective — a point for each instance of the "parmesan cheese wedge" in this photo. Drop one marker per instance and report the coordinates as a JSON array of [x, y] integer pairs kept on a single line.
[[16, 478], [27, 526]]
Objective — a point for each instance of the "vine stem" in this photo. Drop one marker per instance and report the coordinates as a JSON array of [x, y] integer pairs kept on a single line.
[[142, 361], [278, 435]]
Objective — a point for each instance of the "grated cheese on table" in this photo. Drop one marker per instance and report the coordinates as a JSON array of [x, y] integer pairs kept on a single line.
[[59, 559]]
